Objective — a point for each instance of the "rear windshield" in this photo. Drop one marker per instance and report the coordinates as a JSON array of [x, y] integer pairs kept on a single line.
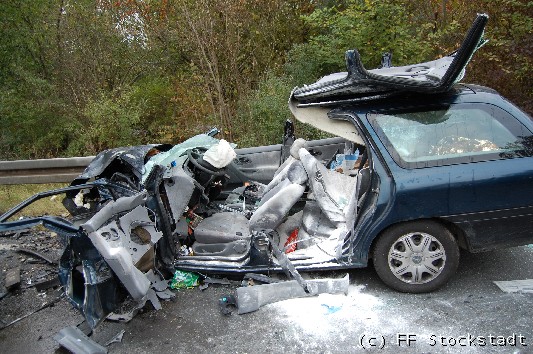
[[459, 133]]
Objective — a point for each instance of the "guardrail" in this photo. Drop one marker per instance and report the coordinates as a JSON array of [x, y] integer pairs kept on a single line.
[[57, 170]]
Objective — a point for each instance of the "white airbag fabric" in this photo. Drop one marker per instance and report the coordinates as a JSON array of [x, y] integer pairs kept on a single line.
[[220, 155]]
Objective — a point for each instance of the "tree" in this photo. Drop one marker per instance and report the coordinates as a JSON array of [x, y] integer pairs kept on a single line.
[[80, 76], [232, 43]]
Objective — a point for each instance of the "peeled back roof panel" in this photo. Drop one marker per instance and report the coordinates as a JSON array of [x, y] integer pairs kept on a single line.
[[429, 77]]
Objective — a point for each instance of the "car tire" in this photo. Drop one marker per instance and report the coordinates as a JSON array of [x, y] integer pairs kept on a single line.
[[416, 257]]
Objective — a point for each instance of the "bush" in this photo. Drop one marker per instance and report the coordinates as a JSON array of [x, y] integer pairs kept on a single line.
[[261, 118], [372, 27], [109, 121]]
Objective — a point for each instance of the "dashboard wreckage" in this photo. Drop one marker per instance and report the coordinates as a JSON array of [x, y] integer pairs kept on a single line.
[[139, 213]]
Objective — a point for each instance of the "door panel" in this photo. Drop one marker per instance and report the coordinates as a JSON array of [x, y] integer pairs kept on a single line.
[[495, 229], [260, 163], [255, 164], [504, 190]]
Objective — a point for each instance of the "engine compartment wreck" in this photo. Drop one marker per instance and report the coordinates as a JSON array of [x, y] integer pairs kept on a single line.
[[133, 224]]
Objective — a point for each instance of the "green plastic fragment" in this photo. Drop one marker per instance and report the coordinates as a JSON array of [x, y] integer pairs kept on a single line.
[[184, 280]]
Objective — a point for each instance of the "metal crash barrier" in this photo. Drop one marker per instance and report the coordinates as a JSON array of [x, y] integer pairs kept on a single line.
[[56, 170]]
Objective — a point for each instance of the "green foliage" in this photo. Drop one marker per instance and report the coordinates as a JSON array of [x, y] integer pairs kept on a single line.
[[261, 118], [372, 27], [506, 63], [78, 77], [172, 109], [25, 29], [111, 121], [35, 120], [152, 98]]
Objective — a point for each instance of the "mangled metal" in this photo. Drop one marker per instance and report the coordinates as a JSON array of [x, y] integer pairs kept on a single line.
[[251, 298], [117, 338], [131, 220], [125, 241], [38, 255], [429, 77], [77, 342], [176, 153]]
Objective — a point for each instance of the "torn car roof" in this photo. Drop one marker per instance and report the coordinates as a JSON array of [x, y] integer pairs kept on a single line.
[[429, 77]]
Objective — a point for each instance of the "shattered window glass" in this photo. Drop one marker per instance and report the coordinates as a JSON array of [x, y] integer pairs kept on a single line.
[[177, 152], [454, 134]]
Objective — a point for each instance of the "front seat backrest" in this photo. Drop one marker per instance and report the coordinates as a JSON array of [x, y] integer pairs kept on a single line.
[[272, 212], [332, 190], [280, 195], [294, 173], [281, 173]]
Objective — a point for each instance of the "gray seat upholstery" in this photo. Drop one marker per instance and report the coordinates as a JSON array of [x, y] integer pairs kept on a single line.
[[271, 213], [290, 169], [332, 191], [332, 208], [294, 154], [331, 212], [280, 196], [286, 170], [222, 228], [314, 225], [294, 173]]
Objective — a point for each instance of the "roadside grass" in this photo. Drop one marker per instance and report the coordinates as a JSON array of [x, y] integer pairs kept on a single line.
[[11, 195]]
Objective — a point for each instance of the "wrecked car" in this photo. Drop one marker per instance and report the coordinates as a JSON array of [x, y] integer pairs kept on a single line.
[[419, 166]]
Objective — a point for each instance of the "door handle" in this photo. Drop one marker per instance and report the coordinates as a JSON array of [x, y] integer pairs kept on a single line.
[[243, 160]]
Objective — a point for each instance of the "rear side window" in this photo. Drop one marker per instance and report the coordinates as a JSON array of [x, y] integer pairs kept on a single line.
[[458, 133]]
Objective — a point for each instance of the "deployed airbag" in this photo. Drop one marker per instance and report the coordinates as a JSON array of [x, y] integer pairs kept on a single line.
[[220, 155]]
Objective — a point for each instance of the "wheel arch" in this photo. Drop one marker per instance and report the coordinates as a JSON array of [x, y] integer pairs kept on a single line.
[[416, 266], [456, 231]]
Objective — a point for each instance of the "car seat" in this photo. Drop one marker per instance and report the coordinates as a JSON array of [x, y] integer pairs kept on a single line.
[[228, 232], [332, 208]]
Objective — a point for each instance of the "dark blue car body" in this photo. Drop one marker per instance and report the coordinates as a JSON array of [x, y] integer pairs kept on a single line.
[[486, 204]]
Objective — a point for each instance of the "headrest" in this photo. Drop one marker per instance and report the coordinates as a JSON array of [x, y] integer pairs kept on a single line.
[[296, 146]]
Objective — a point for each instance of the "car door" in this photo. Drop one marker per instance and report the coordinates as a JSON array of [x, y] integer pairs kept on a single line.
[[499, 185], [255, 164]]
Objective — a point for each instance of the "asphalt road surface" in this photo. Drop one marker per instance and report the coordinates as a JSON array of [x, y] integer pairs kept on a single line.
[[470, 314]]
